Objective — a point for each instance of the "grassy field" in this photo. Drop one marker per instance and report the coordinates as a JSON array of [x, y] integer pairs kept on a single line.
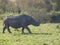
[[45, 34]]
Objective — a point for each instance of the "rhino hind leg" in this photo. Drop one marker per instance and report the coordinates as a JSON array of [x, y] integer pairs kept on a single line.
[[8, 29], [4, 29]]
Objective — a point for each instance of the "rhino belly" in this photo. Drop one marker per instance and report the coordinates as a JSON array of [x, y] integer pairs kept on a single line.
[[15, 24]]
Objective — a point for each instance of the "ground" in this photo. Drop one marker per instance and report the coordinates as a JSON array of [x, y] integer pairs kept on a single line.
[[45, 34]]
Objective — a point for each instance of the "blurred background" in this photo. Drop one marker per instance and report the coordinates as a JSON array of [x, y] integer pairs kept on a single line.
[[42, 10]]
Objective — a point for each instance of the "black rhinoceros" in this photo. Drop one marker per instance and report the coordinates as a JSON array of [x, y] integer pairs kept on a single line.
[[19, 21]]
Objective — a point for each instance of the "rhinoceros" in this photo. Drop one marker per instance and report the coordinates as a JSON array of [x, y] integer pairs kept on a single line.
[[19, 21]]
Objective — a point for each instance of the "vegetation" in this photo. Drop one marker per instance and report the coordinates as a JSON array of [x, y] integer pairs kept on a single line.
[[43, 10], [45, 34]]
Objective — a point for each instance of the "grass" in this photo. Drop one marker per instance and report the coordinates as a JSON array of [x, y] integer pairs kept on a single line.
[[45, 34]]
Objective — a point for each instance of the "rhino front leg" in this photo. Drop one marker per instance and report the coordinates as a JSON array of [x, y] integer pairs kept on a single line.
[[28, 30]]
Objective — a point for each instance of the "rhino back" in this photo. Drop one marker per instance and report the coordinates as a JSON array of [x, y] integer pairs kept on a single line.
[[19, 21]]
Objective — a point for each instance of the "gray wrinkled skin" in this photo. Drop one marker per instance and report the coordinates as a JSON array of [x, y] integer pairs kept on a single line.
[[19, 21]]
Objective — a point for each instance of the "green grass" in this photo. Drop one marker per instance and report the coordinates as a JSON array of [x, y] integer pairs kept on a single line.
[[45, 34]]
